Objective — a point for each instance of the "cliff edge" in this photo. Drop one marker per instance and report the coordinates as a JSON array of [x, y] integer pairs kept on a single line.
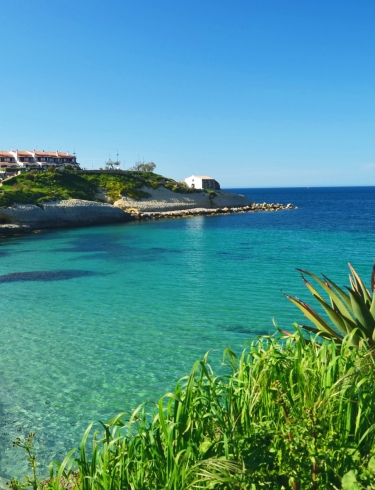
[[163, 199], [73, 212]]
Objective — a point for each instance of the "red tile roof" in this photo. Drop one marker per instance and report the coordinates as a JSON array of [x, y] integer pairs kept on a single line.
[[38, 154], [45, 154], [22, 153]]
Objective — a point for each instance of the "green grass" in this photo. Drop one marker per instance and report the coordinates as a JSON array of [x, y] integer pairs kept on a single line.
[[37, 187]]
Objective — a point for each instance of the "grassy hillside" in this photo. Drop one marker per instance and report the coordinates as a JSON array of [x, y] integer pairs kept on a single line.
[[37, 187]]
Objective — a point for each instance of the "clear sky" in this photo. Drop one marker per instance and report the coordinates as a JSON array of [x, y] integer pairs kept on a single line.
[[254, 93]]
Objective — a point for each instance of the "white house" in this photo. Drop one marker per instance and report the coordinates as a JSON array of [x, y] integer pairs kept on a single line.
[[202, 182]]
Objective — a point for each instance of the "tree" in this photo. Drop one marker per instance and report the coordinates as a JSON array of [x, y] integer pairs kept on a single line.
[[143, 167], [110, 165]]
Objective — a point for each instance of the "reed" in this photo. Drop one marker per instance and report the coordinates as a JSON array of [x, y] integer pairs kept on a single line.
[[288, 413]]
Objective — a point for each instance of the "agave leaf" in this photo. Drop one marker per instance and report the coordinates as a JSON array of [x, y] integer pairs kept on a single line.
[[312, 290], [362, 288], [336, 318], [352, 314], [336, 299], [362, 313], [344, 297], [312, 315], [373, 278]]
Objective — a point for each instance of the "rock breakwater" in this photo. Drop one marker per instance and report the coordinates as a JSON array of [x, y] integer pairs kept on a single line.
[[186, 213]]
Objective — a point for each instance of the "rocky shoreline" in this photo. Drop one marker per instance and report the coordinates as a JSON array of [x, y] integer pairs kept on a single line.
[[14, 229]]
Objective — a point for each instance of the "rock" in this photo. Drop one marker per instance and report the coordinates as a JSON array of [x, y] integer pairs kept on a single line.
[[162, 199], [11, 229], [74, 212]]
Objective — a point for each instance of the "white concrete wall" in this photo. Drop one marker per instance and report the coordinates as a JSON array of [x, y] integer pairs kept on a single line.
[[193, 181]]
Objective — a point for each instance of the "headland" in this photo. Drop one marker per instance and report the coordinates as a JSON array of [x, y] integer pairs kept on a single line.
[[40, 200]]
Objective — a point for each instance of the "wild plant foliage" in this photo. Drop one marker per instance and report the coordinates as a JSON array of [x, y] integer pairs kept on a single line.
[[351, 312], [289, 413]]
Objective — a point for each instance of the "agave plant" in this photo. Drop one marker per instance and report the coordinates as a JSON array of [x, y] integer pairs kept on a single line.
[[352, 312]]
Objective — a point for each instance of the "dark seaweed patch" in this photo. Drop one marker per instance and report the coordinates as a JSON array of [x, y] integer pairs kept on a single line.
[[45, 276], [250, 331], [124, 253], [94, 248], [239, 329], [96, 243]]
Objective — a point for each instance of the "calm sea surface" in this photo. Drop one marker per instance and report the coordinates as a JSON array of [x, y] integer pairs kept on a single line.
[[97, 320]]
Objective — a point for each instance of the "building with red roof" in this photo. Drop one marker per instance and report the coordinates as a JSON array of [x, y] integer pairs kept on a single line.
[[36, 159]]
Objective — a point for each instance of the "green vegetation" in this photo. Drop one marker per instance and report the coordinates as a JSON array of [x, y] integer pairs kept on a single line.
[[293, 412], [211, 193], [180, 187], [36, 187], [350, 313]]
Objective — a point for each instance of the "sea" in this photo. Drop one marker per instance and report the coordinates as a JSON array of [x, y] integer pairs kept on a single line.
[[97, 320]]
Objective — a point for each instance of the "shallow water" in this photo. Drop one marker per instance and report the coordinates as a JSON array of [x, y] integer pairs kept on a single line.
[[97, 320]]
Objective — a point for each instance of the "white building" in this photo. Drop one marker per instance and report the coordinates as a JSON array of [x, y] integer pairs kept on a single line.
[[35, 159], [202, 182]]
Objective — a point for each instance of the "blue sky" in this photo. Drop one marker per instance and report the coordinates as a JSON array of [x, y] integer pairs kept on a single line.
[[255, 93]]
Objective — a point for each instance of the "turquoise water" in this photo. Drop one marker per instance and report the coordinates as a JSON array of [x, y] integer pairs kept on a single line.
[[100, 319]]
